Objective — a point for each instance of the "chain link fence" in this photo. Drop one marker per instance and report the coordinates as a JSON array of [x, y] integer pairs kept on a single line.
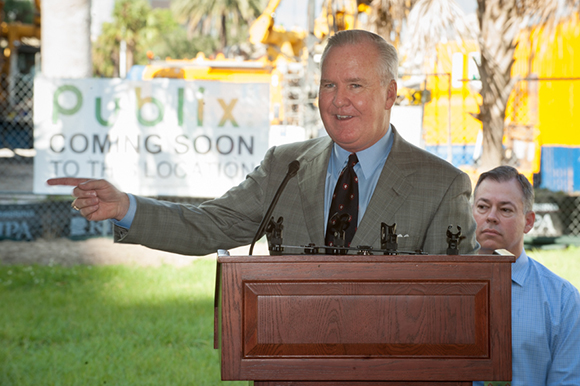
[[557, 219], [27, 216]]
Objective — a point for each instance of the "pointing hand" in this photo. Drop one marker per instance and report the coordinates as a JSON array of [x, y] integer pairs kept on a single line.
[[96, 200]]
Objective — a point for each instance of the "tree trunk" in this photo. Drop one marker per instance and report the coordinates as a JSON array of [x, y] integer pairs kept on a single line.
[[387, 18], [499, 25], [224, 32]]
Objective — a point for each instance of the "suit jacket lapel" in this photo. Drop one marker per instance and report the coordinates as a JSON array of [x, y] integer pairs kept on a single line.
[[390, 193], [311, 180]]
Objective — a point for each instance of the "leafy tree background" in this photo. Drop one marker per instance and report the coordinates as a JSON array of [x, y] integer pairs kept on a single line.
[[191, 26], [145, 31], [19, 10], [226, 20]]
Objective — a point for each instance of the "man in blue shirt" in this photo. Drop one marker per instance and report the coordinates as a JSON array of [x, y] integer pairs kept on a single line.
[[545, 307]]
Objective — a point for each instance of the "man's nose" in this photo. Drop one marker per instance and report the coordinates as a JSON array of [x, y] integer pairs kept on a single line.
[[340, 98], [492, 215]]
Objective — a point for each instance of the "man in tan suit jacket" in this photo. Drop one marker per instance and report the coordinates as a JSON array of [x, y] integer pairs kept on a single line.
[[415, 190]]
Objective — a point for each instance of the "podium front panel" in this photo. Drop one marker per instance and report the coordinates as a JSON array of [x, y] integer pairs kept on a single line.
[[412, 318]]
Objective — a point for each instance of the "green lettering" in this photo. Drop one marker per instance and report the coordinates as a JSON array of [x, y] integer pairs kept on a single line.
[[112, 118], [57, 109], [141, 102]]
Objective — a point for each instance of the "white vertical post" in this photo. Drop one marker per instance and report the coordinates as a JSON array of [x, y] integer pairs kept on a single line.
[[123, 59], [66, 39]]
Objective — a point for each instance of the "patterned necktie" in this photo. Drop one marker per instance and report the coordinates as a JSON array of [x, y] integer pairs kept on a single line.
[[343, 213]]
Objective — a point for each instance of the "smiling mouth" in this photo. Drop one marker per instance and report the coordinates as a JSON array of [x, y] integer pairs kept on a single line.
[[342, 117]]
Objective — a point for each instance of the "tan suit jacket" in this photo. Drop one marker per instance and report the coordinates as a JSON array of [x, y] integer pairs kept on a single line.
[[418, 191]]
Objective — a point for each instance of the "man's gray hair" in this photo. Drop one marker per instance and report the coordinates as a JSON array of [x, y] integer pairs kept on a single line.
[[387, 52], [508, 173]]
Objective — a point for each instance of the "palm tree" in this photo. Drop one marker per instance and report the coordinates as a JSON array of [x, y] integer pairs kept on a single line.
[[500, 23], [140, 28], [207, 16], [387, 18], [129, 20]]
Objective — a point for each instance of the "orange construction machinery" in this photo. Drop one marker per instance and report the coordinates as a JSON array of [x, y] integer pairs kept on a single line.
[[19, 46], [19, 55]]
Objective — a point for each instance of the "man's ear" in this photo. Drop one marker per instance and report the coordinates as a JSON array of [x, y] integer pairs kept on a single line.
[[530, 219], [391, 94]]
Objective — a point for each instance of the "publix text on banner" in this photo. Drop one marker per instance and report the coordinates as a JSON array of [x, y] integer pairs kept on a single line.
[[162, 137]]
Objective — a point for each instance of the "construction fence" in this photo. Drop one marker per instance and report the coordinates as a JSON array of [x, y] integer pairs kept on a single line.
[[25, 216]]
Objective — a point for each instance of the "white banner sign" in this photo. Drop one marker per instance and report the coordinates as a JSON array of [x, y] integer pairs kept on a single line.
[[161, 137]]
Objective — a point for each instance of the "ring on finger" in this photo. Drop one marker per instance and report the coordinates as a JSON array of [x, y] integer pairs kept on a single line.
[[75, 207]]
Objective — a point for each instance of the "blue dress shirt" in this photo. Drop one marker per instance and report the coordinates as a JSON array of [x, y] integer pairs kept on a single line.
[[368, 170], [545, 327], [126, 221]]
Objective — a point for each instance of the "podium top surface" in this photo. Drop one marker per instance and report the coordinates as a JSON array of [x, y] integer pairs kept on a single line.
[[476, 258]]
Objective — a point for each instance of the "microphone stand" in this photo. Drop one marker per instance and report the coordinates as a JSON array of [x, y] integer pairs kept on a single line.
[[293, 168]]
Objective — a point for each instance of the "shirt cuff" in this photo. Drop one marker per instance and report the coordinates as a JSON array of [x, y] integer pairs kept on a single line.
[[126, 221]]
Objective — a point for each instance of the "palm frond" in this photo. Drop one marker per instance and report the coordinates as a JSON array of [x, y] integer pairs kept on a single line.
[[388, 17], [431, 22]]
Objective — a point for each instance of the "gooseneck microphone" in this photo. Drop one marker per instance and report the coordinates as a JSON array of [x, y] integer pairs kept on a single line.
[[293, 168]]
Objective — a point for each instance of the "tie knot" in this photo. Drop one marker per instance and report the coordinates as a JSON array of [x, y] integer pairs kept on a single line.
[[352, 160]]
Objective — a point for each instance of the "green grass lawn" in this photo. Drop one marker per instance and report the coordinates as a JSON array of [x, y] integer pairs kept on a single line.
[[564, 262], [108, 325], [119, 325]]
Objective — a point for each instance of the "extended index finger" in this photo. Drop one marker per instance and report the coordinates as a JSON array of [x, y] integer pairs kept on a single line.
[[67, 181]]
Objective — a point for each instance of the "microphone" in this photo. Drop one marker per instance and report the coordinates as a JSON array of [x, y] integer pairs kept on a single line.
[[293, 168]]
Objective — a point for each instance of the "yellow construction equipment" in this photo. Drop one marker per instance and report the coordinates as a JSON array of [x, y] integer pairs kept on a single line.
[[19, 50], [18, 42], [341, 15], [292, 87], [279, 41]]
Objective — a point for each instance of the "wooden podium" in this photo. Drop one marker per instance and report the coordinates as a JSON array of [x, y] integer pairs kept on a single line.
[[321, 320]]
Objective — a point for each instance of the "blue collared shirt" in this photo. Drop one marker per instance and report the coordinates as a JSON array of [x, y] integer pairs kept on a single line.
[[368, 170], [545, 327], [126, 221]]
